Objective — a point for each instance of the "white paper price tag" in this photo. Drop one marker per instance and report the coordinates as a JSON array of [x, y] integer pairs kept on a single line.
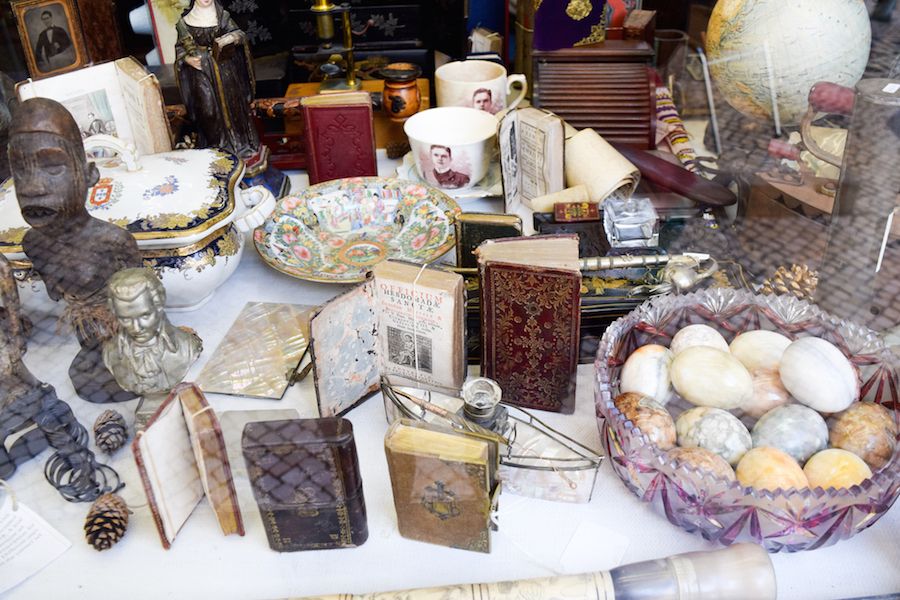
[[27, 544]]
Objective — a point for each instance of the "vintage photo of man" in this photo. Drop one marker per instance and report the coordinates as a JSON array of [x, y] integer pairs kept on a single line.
[[442, 160], [48, 31]]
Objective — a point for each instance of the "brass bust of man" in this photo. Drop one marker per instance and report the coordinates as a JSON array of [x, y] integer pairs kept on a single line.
[[148, 354]]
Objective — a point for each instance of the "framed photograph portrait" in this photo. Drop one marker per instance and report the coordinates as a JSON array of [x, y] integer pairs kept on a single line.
[[51, 36]]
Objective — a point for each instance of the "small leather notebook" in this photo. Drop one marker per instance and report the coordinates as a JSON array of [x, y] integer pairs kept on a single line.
[[181, 457], [530, 316], [340, 139], [444, 482]]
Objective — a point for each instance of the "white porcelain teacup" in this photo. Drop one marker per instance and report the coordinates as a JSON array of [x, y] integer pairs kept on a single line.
[[479, 84], [452, 146]]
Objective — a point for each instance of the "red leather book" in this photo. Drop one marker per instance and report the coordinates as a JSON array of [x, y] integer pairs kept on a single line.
[[530, 316], [340, 139]]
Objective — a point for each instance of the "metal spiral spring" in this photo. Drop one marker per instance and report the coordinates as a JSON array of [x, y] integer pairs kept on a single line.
[[73, 469]]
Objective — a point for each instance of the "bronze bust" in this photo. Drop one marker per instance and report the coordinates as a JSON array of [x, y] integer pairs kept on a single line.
[[72, 252], [148, 354]]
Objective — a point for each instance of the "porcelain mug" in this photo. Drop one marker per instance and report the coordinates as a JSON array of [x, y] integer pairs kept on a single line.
[[452, 146], [479, 84]]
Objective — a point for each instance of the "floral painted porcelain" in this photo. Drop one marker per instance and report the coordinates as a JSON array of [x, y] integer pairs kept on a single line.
[[183, 207], [337, 230]]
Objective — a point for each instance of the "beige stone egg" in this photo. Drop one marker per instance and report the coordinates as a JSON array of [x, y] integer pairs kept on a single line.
[[817, 374], [759, 349], [768, 393], [703, 460], [867, 430], [715, 429], [646, 371], [649, 416], [709, 377], [767, 468], [697, 335], [836, 468]]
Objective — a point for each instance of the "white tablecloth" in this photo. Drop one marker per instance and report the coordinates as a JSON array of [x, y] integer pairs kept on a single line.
[[536, 538]]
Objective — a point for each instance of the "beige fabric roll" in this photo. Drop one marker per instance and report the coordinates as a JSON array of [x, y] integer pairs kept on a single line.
[[592, 161], [578, 193]]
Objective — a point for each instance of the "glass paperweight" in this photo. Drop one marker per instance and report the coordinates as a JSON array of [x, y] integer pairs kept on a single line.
[[722, 510], [630, 223]]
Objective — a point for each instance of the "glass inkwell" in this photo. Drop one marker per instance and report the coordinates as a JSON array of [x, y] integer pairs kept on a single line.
[[535, 459], [630, 222]]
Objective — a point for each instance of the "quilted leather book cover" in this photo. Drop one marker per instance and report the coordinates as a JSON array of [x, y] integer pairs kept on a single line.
[[340, 138], [305, 479], [529, 325], [444, 485]]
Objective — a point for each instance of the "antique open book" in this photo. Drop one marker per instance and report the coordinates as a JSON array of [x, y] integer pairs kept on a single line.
[[119, 98], [181, 457], [405, 322], [531, 154], [444, 484], [530, 316]]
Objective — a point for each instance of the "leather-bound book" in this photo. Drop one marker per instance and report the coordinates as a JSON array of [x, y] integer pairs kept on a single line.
[[444, 482], [340, 139], [305, 479], [530, 315], [181, 457]]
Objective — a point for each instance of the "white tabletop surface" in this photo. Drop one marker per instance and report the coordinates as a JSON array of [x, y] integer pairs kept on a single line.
[[536, 538]]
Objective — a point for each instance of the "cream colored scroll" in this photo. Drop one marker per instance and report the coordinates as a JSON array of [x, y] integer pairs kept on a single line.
[[592, 161]]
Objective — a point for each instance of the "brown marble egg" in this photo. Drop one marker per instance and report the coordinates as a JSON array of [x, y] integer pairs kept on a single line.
[[766, 468], [702, 459], [768, 393], [649, 416], [866, 429], [836, 468]]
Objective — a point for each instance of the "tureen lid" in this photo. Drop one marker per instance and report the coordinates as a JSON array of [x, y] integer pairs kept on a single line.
[[170, 200]]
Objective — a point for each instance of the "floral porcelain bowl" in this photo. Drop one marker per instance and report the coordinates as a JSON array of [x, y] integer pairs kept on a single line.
[[703, 503], [183, 207], [337, 230]]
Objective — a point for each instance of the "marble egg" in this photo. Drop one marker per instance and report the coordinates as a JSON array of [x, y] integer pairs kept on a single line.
[[795, 429], [703, 460], [818, 375], [759, 349], [646, 371], [768, 393], [867, 430], [836, 468], [697, 335], [709, 377], [715, 429], [767, 468], [649, 416]]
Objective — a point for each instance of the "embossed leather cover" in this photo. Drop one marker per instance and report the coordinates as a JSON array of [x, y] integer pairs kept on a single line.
[[340, 139], [444, 484], [305, 479], [530, 317]]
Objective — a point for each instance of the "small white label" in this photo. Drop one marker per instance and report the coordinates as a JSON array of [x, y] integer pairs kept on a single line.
[[27, 544], [891, 88]]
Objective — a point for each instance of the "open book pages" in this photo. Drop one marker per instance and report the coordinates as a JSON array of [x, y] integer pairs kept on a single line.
[[550, 251], [118, 98], [531, 156]]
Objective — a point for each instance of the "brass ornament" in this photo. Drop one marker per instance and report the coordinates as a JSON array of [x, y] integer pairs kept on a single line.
[[579, 9]]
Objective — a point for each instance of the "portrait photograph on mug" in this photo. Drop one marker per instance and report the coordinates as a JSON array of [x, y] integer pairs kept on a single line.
[[445, 168], [478, 84]]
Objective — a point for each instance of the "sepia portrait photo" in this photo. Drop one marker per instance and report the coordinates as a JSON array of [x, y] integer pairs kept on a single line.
[[446, 167], [51, 36]]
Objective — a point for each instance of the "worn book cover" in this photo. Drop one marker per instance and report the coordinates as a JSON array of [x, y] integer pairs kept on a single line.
[[530, 318], [340, 140], [474, 228], [306, 482], [406, 322], [181, 457], [531, 155], [444, 484]]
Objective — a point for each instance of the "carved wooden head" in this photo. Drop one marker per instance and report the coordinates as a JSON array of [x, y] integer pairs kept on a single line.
[[48, 164]]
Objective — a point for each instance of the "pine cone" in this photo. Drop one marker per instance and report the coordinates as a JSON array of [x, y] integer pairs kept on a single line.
[[799, 281], [110, 431], [106, 521], [396, 150]]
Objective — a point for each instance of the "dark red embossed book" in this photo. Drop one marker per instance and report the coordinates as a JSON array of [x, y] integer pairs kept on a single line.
[[530, 315], [340, 139]]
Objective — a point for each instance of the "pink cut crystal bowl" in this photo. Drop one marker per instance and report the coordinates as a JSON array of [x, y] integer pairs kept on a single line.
[[721, 510]]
